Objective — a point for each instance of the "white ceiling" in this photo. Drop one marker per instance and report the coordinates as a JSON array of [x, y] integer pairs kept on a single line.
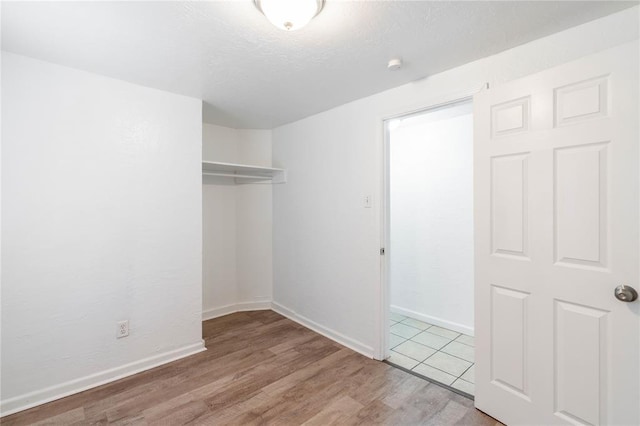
[[253, 75]]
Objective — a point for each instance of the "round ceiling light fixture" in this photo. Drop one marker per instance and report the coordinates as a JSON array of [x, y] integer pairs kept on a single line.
[[289, 15]]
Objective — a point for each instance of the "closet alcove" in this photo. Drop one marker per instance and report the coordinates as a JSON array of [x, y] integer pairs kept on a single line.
[[237, 203]]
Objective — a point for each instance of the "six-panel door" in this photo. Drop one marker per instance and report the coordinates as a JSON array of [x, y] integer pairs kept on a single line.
[[556, 216]]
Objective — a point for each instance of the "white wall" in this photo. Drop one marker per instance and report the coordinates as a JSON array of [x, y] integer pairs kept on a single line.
[[237, 223], [254, 228], [431, 221], [101, 220], [219, 274], [327, 269]]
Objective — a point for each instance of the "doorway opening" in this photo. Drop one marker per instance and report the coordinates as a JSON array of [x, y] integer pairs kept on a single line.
[[429, 236]]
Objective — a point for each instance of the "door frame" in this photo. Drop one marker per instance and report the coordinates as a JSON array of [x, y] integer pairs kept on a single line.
[[381, 349]]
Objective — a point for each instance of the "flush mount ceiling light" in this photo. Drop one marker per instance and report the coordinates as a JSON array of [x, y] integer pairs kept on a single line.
[[289, 15]]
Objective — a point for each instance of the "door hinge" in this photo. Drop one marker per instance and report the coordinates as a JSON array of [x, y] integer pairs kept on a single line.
[[382, 251]]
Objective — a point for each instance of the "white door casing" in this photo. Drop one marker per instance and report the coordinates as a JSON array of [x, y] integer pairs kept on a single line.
[[556, 230]]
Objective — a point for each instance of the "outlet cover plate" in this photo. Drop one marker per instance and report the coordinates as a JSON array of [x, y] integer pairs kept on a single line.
[[122, 329]]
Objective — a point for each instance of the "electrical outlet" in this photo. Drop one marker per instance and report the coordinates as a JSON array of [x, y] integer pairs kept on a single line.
[[123, 329]]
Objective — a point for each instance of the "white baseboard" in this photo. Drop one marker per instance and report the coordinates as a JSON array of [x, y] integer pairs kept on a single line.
[[235, 307], [32, 399], [254, 306], [282, 310], [326, 332], [218, 312], [460, 328], [23, 402]]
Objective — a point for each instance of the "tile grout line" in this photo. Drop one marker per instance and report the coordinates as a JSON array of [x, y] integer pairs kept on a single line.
[[472, 364], [455, 339], [433, 325], [446, 372], [463, 373], [430, 380], [436, 368], [457, 378], [437, 350], [422, 362]]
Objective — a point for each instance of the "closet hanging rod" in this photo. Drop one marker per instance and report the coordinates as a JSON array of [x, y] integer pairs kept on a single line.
[[237, 176]]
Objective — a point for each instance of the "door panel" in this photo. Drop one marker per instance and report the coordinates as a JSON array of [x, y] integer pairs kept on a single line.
[[556, 222], [580, 204], [509, 340], [581, 361], [509, 205]]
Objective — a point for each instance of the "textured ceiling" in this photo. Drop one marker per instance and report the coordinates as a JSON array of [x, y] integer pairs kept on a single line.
[[253, 75]]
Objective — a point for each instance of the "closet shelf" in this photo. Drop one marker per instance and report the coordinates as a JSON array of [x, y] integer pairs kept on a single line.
[[243, 173]]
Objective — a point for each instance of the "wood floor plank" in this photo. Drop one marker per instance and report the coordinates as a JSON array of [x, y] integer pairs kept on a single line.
[[335, 413], [161, 411], [183, 414], [181, 384], [261, 368], [307, 397], [226, 415], [374, 413], [401, 394], [255, 382], [335, 360], [428, 402], [147, 394], [451, 414], [70, 417]]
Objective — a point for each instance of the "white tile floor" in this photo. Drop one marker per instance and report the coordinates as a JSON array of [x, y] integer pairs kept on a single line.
[[443, 355]]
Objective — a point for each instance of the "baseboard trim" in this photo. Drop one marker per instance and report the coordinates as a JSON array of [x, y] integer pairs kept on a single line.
[[433, 320], [218, 312], [235, 307], [326, 332], [32, 399], [254, 306]]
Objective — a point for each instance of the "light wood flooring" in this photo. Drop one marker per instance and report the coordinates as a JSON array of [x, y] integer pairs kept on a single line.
[[261, 368]]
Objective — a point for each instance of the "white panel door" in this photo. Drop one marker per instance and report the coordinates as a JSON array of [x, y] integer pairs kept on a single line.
[[556, 217]]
